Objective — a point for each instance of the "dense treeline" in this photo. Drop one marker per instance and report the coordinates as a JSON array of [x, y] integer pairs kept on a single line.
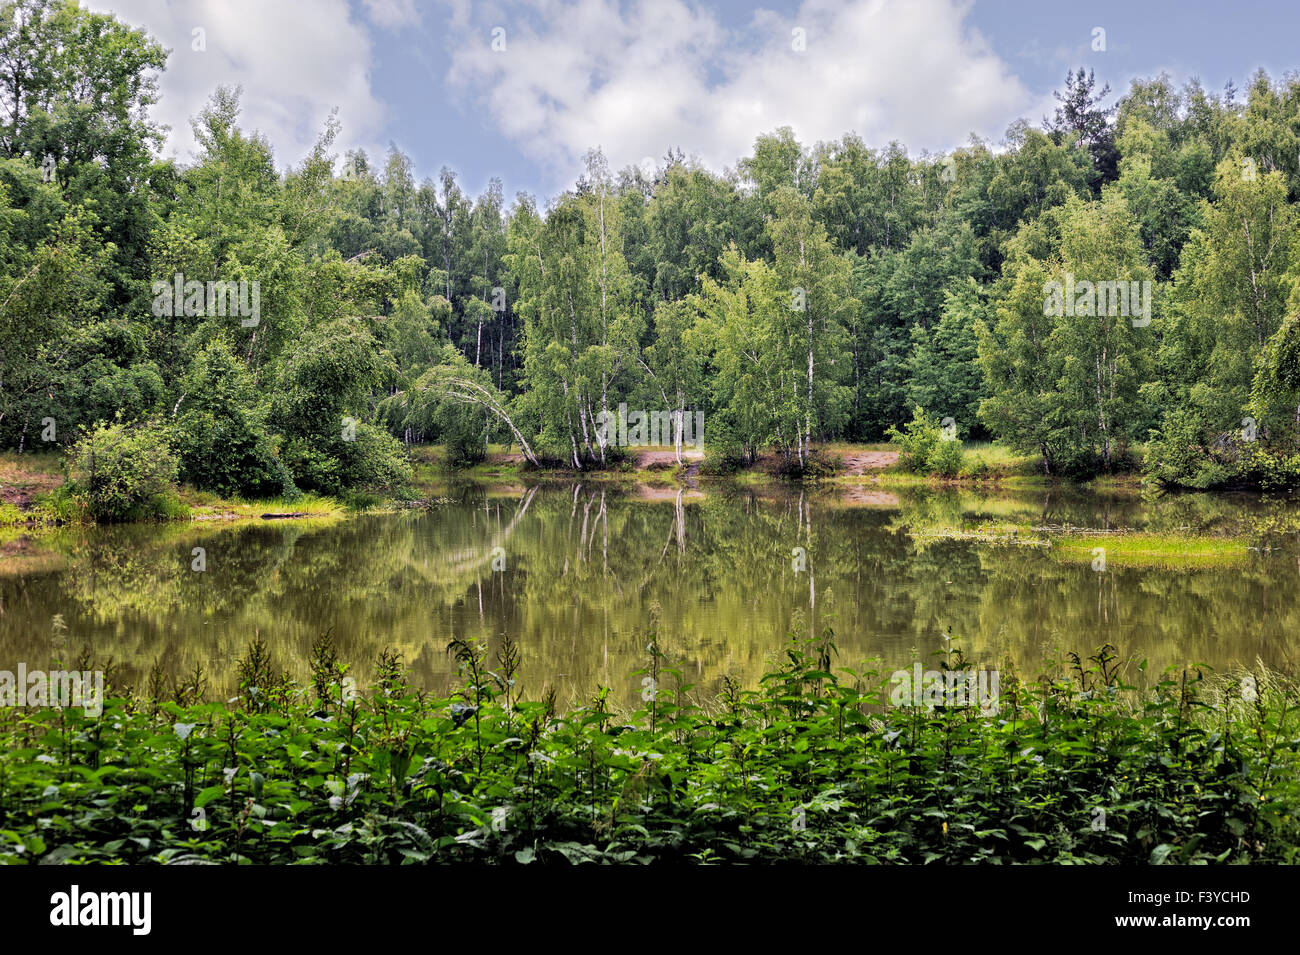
[[812, 293]]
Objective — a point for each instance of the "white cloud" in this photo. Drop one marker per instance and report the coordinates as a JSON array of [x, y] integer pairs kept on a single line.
[[635, 79], [392, 13], [294, 64]]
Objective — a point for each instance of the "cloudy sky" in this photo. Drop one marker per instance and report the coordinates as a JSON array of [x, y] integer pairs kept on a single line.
[[521, 90]]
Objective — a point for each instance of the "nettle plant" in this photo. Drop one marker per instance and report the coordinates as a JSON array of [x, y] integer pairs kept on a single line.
[[811, 765]]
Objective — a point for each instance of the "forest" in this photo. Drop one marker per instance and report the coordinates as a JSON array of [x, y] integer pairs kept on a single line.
[[393, 523], [258, 333]]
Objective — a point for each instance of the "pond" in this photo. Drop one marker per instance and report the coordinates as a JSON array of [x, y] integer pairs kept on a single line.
[[582, 576]]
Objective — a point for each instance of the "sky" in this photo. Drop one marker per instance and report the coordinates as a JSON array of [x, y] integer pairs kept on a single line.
[[521, 90]]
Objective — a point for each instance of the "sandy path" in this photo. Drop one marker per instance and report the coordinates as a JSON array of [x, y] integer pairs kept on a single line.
[[863, 461], [647, 458]]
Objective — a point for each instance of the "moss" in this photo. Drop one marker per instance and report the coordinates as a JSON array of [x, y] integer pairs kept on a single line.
[[1152, 550]]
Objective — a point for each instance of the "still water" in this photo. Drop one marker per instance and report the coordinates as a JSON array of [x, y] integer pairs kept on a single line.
[[581, 577]]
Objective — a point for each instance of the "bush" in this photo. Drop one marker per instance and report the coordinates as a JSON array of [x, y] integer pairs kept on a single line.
[[976, 468], [461, 429], [815, 466], [125, 472], [312, 468], [375, 460], [221, 435], [923, 447], [227, 455], [1179, 455], [59, 506], [372, 459], [1268, 469], [945, 461]]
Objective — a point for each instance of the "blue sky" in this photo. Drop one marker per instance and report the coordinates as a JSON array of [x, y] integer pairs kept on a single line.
[[637, 77]]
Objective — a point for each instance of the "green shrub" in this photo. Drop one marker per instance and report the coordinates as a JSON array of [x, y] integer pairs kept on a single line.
[[61, 505], [312, 468], [725, 451], [1179, 455], [923, 447], [815, 465], [461, 429], [977, 467], [1267, 468], [370, 459], [227, 455], [125, 472], [945, 460], [221, 435], [375, 460]]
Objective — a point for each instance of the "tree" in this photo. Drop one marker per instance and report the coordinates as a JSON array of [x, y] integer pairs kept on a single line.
[[1065, 362], [819, 290], [75, 90], [220, 431], [446, 400], [322, 395], [943, 373], [1081, 122], [123, 472], [745, 319], [673, 363]]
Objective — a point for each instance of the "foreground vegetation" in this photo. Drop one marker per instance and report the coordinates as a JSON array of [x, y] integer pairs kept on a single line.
[[812, 765]]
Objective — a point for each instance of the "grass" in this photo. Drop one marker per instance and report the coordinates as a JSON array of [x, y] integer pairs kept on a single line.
[[1151, 550], [18, 468], [981, 463], [997, 460], [27, 482], [11, 515], [207, 506]]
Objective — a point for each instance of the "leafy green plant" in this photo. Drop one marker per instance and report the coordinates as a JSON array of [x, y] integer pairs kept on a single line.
[[814, 765], [924, 448], [125, 472]]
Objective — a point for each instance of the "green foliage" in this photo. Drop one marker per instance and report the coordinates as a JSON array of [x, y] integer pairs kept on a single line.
[[925, 447], [918, 281], [322, 387], [448, 413], [373, 460], [220, 434], [1064, 378], [942, 371], [125, 472], [818, 763]]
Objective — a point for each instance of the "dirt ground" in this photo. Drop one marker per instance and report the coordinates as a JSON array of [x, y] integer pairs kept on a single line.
[[19, 485], [645, 459], [860, 462]]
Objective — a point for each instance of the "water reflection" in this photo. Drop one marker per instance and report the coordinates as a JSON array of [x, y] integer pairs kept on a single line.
[[581, 576]]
